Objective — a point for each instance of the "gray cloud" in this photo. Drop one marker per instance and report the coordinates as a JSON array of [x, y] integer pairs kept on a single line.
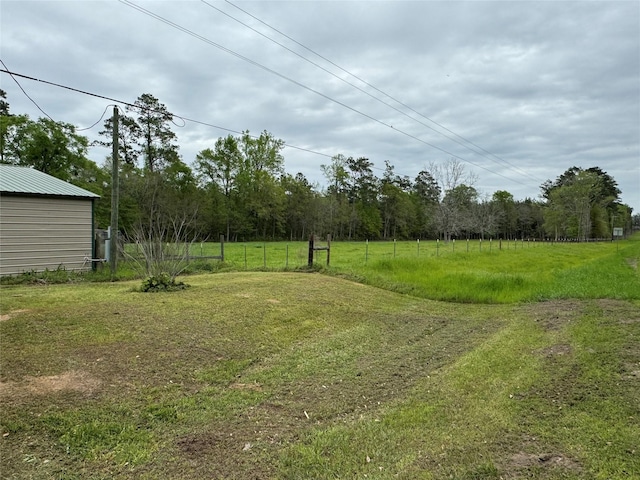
[[542, 85]]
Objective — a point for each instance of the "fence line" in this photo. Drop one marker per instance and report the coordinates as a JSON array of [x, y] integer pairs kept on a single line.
[[292, 255]]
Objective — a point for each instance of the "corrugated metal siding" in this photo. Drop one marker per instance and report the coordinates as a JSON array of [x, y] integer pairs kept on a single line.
[[37, 233]]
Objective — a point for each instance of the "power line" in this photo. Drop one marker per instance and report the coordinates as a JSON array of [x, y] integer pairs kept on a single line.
[[338, 77], [128, 104], [97, 121], [199, 122], [306, 87], [486, 152], [25, 93]]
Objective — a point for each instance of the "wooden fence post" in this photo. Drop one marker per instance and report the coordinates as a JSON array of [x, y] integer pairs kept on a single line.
[[310, 250], [328, 248], [222, 248]]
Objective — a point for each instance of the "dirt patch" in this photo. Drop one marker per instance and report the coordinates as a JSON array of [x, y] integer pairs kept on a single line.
[[11, 314], [272, 300], [633, 374], [554, 315], [225, 454], [522, 460], [555, 350], [73, 380], [625, 312], [254, 387], [632, 262]]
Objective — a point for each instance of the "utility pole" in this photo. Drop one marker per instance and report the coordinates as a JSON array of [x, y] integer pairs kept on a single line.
[[115, 188]]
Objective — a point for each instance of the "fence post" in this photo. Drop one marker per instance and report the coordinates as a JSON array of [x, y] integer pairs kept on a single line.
[[222, 248], [310, 250], [453, 245], [437, 247], [480, 244], [286, 261], [328, 248], [394, 248], [264, 254], [467, 245], [418, 247], [245, 256], [366, 251]]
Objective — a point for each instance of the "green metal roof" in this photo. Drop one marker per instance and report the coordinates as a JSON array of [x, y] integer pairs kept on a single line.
[[28, 181]]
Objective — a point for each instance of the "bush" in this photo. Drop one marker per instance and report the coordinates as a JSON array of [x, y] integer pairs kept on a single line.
[[162, 283]]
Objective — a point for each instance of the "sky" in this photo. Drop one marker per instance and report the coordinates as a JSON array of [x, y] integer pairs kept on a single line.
[[517, 91]]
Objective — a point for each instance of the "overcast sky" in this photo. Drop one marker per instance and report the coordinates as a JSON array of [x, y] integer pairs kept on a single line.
[[537, 87]]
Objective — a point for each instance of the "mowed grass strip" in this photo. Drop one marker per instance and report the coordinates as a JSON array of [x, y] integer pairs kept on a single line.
[[262, 375]]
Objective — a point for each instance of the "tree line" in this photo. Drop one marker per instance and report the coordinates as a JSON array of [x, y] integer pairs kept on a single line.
[[238, 187]]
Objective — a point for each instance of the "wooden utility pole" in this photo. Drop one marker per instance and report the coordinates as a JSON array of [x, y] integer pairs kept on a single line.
[[115, 188]]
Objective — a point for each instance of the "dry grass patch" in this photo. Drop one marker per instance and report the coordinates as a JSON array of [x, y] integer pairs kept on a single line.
[[76, 381]]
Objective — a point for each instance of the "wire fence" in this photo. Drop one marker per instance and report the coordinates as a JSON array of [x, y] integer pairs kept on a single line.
[[293, 255], [277, 255]]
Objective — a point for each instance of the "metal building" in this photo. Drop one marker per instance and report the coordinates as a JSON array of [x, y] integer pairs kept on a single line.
[[45, 222]]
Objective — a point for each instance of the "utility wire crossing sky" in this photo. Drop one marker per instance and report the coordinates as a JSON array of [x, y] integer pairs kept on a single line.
[[519, 91]]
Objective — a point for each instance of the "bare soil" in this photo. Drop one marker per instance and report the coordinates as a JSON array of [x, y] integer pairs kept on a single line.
[[555, 314], [10, 315], [522, 462], [73, 380]]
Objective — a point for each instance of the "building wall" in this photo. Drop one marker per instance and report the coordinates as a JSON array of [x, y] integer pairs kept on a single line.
[[38, 233]]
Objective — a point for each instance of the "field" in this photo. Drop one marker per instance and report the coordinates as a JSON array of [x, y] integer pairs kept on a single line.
[[530, 369], [477, 272]]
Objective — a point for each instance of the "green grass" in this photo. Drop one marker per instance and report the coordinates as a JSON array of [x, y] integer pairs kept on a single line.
[[544, 272], [470, 272], [297, 375], [467, 272]]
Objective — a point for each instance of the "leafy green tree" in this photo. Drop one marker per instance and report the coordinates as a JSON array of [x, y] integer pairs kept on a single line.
[[581, 203], [51, 147], [508, 217], [260, 193], [336, 195], [301, 206], [129, 133], [530, 219], [5, 122], [145, 135], [398, 212], [156, 140], [570, 205], [242, 177], [4, 105], [220, 167], [426, 198], [365, 220]]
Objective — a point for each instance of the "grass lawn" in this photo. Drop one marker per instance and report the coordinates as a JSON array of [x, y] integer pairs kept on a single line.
[[281, 375]]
